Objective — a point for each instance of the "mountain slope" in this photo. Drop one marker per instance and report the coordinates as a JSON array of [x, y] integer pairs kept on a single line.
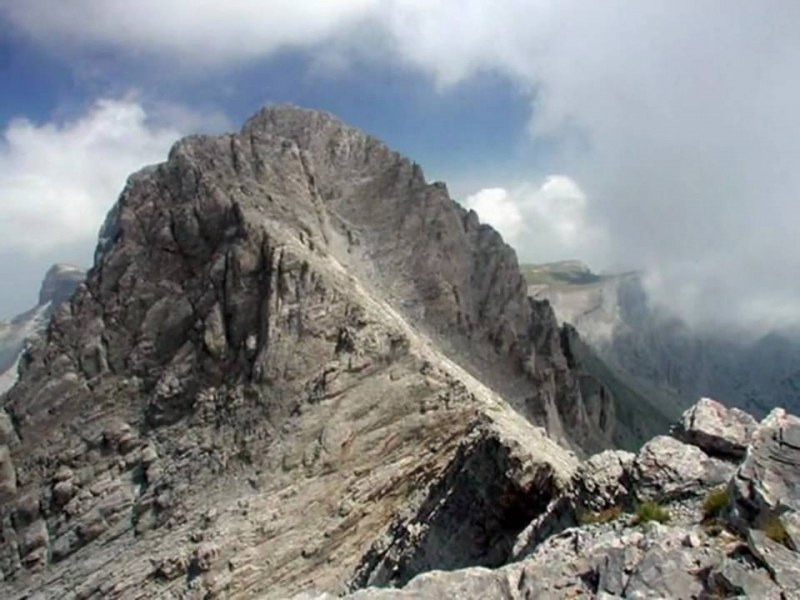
[[655, 350], [288, 340]]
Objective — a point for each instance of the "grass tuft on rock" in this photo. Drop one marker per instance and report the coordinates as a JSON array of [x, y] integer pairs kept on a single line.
[[774, 529], [651, 511], [716, 503]]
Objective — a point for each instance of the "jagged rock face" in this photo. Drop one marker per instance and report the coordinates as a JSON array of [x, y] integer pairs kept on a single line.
[[635, 412], [271, 359], [58, 286], [449, 274], [413, 241], [472, 516], [767, 483]]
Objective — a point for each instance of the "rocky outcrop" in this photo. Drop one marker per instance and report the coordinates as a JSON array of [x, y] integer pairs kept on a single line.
[[767, 482], [653, 525], [58, 286], [719, 431], [289, 345], [495, 485], [667, 469]]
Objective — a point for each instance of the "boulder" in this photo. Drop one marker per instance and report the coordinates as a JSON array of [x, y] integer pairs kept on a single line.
[[715, 429], [668, 469], [767, 483], [736, 578], [664, 572], [603, 481]]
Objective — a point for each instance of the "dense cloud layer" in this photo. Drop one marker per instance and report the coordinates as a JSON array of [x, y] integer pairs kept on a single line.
[[678, 120]]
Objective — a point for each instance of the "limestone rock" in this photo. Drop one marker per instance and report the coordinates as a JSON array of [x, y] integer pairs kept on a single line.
[[737, 578], [495, 485], [604, 480], [616, 556], [204, 556], [601, 482], [59, 284], [768, 480], [717, 430], [782, 563], [297, 368], [599, 563], [666, 469], [8, 476]]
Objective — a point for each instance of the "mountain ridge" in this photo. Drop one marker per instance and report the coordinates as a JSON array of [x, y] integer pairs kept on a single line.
[[285, 332]]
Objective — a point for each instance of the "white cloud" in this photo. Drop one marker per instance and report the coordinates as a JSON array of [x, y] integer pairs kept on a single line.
[[495, 207], [58, 180], [678, 118], [561, 205], [544, 222], [206, 31]]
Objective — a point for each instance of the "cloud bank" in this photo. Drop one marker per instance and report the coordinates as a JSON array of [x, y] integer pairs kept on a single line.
[[678, 119], [547, 220]]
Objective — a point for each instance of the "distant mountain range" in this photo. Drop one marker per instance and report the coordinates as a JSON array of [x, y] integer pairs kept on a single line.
[[655, 349], [58, 285]]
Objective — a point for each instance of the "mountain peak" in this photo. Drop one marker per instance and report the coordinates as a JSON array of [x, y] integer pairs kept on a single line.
[[290, 318], [59, 283]]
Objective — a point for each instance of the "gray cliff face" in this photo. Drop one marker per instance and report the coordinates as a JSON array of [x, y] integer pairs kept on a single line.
[[58, 286], [289, 344]]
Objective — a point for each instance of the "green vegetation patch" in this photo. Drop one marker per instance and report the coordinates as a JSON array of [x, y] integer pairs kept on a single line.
[[716, 502], [774, 529], [651, 511]]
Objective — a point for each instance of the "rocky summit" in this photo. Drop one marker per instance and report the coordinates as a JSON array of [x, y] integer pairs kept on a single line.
[[297, 369], [289, 348]]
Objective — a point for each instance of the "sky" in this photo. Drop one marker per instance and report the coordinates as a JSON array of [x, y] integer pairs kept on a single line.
[[660, 135]]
